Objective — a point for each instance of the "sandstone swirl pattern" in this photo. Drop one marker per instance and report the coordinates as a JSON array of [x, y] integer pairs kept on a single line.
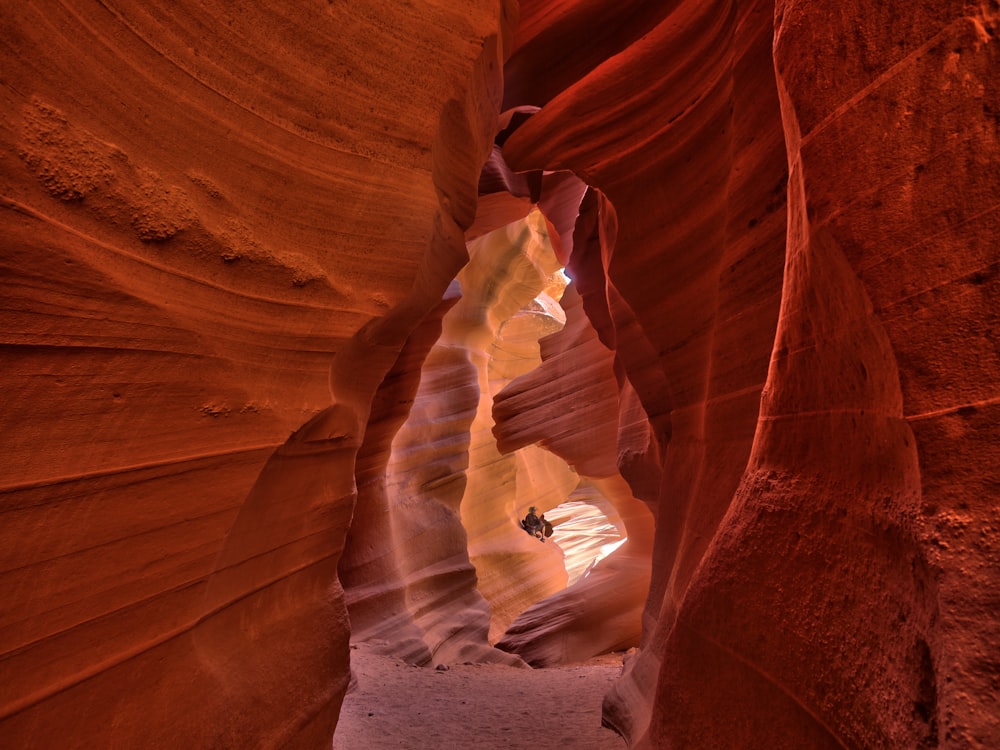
[[215, 235], [229, 240]]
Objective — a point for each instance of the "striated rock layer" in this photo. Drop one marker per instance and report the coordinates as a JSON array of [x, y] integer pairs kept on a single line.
[[570, 405], [202, 206], [442, 529], [804, 201], [231, 352]]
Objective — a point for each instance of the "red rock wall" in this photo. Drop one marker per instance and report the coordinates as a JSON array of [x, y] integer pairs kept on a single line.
[[895, 173], [697, 185], [823, 573], [203, 204], [790, 270]]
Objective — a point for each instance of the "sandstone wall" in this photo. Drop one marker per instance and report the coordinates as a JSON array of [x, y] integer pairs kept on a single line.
[[227, 242], [203, 205], [820, 570], [442, 529]]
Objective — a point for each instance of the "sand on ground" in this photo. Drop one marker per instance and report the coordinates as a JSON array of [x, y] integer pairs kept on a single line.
[[391, 704]]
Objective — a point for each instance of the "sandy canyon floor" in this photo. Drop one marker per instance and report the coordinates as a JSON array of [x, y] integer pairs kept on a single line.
[[485, 706]]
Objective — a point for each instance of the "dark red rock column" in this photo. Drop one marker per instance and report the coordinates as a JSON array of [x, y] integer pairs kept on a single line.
[[892, 129], [688, 148]]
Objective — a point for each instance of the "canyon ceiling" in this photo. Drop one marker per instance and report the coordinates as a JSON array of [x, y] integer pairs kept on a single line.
[[287, 351]]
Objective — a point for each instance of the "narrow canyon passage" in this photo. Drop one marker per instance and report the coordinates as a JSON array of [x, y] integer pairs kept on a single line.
[[482, 422], [395, 706], [286, 352]]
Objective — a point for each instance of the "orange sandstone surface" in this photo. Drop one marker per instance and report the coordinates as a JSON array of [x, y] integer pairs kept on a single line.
[[287, 353]]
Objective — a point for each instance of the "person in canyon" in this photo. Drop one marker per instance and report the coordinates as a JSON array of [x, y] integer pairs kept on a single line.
[[537, 527], [532, 523]]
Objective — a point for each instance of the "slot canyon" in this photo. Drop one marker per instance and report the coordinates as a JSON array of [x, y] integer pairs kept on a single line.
[[305, 304]]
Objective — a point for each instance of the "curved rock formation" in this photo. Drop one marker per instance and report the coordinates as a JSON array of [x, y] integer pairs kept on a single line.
[[439, 530], [513, 281], [229, 349], [570, 405], [799, 583], [200, 211]]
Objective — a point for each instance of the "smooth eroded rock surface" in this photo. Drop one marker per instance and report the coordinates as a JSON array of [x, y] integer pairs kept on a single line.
[[209, 265], [802, 205], [260, 395]]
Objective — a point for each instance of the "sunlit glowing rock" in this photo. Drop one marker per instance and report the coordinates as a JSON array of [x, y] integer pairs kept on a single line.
[[509, 307], [585, 529]]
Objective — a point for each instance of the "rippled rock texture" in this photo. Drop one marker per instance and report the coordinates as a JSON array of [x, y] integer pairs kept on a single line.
[[244, 397], [221, 226]]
